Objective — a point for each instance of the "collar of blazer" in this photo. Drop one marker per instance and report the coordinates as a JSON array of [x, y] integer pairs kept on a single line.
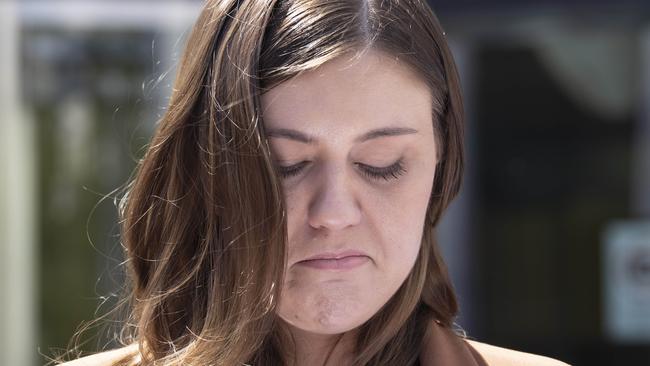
[[444, 347]]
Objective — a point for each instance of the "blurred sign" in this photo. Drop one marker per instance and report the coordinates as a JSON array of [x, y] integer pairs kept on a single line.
[[626, 281]]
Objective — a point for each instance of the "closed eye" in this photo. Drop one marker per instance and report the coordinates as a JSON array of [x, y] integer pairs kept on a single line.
[[392, 171]]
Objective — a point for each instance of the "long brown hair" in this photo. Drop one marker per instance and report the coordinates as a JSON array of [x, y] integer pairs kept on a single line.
[[203, 220]]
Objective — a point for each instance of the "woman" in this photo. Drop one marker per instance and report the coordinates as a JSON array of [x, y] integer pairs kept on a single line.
[[284, 211]]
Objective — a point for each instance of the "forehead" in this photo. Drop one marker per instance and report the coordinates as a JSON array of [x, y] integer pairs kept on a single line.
[[350, 95]]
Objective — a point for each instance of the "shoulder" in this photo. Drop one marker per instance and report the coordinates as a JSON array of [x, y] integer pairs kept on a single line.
[[105, 358], [494, 355]]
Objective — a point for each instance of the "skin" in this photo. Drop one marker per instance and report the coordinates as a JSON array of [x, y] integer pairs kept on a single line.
[[333, 206]]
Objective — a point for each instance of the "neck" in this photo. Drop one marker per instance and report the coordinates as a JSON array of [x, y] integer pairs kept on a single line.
[[322, 349]]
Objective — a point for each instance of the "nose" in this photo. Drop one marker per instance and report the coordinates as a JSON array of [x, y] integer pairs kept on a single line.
[[334, 205]]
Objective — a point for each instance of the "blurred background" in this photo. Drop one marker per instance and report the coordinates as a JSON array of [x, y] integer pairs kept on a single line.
[[548, 244]]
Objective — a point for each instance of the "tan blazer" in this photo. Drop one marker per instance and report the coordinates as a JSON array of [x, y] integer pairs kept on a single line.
[[443, 348]]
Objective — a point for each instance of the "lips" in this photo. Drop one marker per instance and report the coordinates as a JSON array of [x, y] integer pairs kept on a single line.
[[339, 255], [336, 261]]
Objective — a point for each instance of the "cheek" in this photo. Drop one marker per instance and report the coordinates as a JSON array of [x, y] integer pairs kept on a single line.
[[401, 236], [295, 212], [400, 213], [402, 220]]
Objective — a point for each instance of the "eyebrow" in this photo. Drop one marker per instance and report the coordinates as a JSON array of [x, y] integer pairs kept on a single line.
[[372, 134]]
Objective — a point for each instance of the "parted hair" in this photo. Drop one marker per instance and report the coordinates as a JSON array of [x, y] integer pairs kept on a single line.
[[203, 219]]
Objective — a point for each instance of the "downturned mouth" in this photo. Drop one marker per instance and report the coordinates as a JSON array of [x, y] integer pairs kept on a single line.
[[333, 262], [340, 255]]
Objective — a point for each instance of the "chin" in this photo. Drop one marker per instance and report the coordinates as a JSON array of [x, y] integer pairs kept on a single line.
[[330, 305], [327, 326]]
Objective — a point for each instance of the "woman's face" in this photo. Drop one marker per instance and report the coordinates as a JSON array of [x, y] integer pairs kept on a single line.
[[357, 139]]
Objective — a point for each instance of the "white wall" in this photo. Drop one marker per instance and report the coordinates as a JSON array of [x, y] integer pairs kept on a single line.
[[17, 202]]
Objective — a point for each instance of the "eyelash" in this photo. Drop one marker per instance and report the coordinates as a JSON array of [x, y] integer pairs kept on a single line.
[[391, 172]]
